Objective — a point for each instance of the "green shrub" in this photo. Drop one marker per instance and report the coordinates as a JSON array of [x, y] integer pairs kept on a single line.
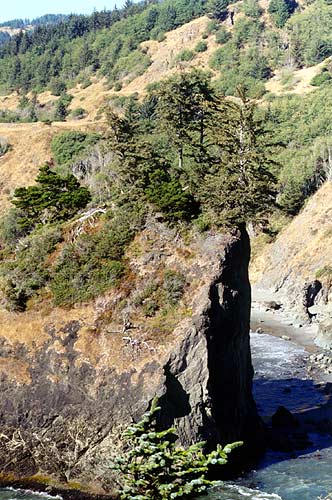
[[77, 278], [93, 263], [150, 307], [23, 102], [201, 46], [118, 86], [24, 276], [186, 55], [68, 145], [10, 228], [57, 87], [212, 27], [174, 284], [85, 83], [222, 36], [78, 113], [251, 8], [321, 78]]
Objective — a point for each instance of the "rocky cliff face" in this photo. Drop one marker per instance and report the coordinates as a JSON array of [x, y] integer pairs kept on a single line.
[[72, 380], [297, 266]]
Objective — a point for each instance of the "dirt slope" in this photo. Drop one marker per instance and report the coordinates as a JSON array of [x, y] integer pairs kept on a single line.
[[302, 249], [30, 148]]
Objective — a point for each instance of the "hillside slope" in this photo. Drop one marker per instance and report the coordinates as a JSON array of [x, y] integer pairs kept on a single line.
[[30, 148], [297, 267]]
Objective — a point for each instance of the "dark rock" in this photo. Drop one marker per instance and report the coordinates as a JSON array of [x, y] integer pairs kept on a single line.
[[310, 291], [272, 305], [284, 419]]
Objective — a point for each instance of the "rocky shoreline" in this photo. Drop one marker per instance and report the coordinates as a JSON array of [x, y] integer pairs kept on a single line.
[[277, 322], [57, 491]]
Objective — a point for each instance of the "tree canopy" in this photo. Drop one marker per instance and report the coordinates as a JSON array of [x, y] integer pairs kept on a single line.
[[52, 198]]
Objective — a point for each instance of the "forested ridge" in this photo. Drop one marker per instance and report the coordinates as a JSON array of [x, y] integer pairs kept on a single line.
[[42, 20], [164, 152], [107, 42]]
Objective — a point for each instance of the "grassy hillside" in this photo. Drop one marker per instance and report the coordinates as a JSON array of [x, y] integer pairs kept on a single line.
[[98, 60], [142, 163]]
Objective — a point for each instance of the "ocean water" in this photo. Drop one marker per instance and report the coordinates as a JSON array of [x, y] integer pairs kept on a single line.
[[11, 494], [281, 378]]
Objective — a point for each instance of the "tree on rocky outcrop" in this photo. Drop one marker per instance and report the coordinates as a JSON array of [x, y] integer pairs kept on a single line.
[[186, 103], [141, 171], [240, 186]]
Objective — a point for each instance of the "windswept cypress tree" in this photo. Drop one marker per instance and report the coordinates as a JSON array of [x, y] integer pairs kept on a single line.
[[52, 198]]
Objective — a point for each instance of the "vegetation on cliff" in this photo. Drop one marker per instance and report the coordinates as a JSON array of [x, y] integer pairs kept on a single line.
[[168, 154], [154, 466]]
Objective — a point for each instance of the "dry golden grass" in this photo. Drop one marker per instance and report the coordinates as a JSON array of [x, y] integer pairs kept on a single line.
[[301, 81], [164, 54], [303, 247], [30, 149], [15, 370], [28, 328]]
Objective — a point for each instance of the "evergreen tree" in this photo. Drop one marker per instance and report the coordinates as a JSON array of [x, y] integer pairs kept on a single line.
[[61, 111], [186, 103], [52, 198], [155, 467], [281, 10], [243, 187], [217, 9]]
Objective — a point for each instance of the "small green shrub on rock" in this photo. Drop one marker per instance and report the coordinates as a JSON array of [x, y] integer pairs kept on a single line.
[[222, 36], [24, 275], [155, 467], [173, 285], [321, 78]]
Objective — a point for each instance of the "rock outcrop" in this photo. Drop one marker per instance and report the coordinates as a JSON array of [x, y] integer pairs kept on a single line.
[[72, 380]]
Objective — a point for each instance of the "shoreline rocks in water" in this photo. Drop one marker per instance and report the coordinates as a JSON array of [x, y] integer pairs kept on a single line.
[[32, 484]]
